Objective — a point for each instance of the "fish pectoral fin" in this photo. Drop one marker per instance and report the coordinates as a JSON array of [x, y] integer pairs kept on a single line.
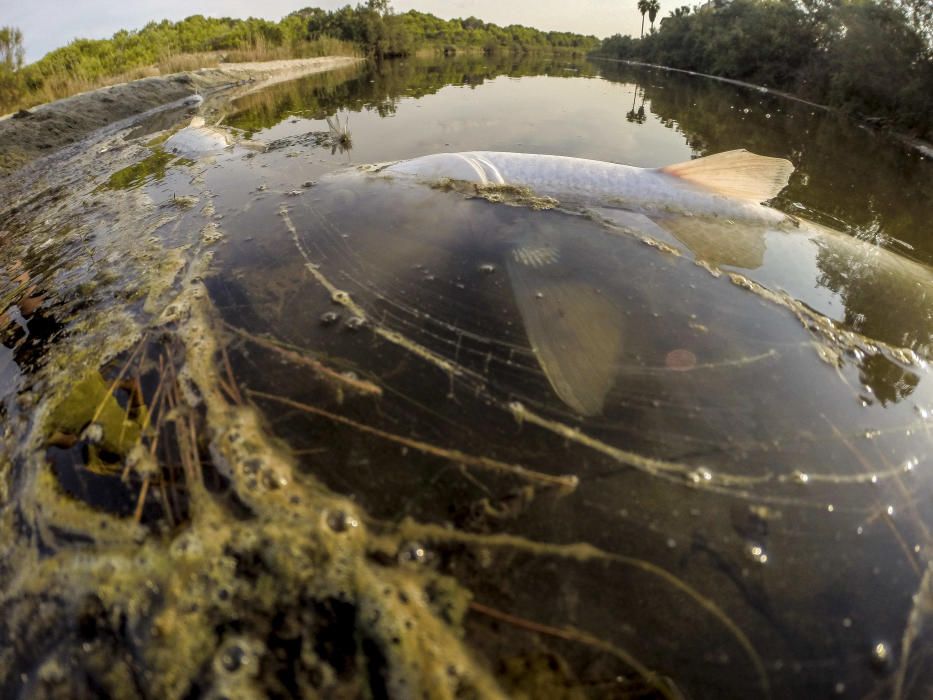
[[719, 242], [633, 223], [575, 333], [738, 174]]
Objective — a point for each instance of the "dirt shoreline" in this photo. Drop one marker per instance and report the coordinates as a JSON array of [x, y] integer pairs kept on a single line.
[[40, 131]]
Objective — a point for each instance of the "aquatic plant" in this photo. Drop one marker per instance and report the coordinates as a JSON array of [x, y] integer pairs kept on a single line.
[[340, 132]]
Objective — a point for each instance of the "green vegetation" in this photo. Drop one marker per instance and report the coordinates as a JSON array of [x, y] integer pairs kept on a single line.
[[163, 47], [11, 61], [385, 34], [870, 59]]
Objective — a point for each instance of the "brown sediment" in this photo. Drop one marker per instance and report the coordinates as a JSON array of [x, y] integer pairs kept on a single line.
[[514, 195]]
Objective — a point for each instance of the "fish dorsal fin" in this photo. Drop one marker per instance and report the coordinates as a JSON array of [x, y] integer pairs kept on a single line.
[[737, 174]]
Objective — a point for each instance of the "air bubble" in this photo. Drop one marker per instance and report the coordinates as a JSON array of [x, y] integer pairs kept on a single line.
[[487, 268], [881, 655], [354, 323], [757, 553], [700, 475], [233, 658], [338, 521], [329, 318], [413, 553], [801, 477]]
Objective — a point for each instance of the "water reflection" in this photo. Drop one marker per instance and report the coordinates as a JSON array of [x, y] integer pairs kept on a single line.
[[730, 497], [637, 116], [845, 177], [705, 381], [380, 89]]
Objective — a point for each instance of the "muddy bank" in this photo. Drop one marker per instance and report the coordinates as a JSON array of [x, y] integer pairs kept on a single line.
[[30, 134]]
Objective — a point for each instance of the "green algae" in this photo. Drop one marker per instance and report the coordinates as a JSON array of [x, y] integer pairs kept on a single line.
[[152, 168], [206, 597], [90, 408]]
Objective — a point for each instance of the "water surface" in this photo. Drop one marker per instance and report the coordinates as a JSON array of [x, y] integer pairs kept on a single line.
[[747, 511]]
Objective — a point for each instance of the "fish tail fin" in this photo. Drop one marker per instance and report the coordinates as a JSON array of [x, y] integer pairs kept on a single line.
[[738, 174]]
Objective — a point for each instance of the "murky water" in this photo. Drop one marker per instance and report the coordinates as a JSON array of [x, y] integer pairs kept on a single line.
[[652, 460]]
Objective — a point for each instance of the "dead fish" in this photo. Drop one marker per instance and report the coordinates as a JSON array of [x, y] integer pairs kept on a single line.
[[711, 206], [728, 185]]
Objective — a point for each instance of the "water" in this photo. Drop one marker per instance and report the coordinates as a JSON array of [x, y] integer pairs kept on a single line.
[[716, 495]]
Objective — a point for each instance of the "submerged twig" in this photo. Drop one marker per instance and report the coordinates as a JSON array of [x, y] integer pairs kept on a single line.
[[359, 385], [574, 635], [233, 388], [118, 378], [347, 302], [568, 482], [587, 552], [141, 501], [922, 605]]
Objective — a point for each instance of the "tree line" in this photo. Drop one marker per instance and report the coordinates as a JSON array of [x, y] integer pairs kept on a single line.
[[371, 29], [870, 58]]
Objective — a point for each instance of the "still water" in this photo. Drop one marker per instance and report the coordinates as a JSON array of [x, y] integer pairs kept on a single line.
[[669, 463]]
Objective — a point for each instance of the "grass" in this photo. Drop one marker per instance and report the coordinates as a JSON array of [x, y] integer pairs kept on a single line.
[[61, 85]]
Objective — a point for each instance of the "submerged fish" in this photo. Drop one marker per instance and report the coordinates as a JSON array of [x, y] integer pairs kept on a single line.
[[712, 206]]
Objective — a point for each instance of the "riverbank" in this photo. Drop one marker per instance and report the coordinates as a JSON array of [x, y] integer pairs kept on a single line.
[[30, 134]]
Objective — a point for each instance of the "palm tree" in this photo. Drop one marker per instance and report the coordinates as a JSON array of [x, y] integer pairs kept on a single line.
[[653, 8], [643, 6]]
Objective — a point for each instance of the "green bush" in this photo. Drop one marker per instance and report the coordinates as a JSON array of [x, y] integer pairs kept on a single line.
[[868, 58]]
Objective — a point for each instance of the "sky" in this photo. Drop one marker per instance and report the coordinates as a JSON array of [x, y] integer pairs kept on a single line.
[[48, 24]]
